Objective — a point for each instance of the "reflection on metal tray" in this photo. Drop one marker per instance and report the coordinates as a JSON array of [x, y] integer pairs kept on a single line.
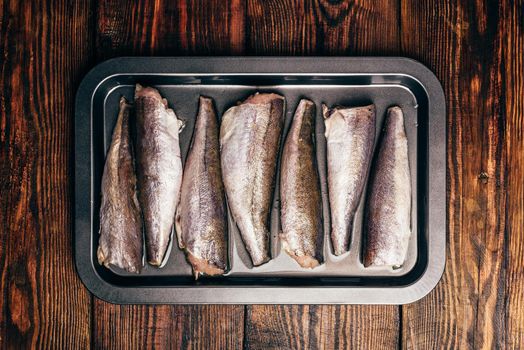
[[344, 81]]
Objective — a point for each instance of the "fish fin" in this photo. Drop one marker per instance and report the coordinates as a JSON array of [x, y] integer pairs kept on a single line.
[[202, 267], [305, 261], [325, 111], [100, 256]]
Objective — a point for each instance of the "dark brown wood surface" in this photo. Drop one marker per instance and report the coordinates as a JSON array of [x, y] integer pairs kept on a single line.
[[467, 309], [44, 52], [474, 47]]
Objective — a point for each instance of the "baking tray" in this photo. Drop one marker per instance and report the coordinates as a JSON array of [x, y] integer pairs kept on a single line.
[[345, 81]]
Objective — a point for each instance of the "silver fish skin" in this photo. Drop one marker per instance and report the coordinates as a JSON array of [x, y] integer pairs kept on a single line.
[[388, 209], [159, 169], [301, 202], [120, 242], [201, 222], [350, 134], [249, 140]]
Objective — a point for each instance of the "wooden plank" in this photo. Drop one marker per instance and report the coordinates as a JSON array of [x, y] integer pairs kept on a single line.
[[322, 327], [169, 28], [167, 327], [463, 46], [45, 49], [212, 27], [281, 27], [513, 42], [322, 27]]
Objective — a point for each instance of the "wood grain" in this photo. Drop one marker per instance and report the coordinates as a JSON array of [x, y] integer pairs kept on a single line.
[[330, 28], [44, 51], [322, 27], [169, 28], [463, 45], [513, 45], [168, 327], [475, 48], [321, 327]]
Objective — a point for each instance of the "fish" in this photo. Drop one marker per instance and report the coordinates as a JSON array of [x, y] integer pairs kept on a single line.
[[120, 242], [249, 141], [388, 208], [350, 134], [300, 197], [201, 221], [159, 169]]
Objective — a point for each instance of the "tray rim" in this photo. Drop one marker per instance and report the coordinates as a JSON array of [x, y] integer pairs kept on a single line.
[[269, 65]]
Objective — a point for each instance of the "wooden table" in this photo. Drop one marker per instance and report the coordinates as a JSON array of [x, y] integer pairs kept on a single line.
[[475, 49]]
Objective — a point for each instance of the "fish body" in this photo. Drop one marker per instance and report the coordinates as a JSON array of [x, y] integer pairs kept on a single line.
[[201, 221], [301, 202], [388, 209], [159, 169], [249, 139], [120, 242], [350, 134]]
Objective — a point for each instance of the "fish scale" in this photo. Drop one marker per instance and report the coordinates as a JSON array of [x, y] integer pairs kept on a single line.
[[350, 134], [201, 221], [159, 169], [301, 202], [249, 140], [120, 242], [388, 210]]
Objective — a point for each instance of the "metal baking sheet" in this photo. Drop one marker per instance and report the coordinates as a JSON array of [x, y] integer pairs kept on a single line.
[[344, 81]]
